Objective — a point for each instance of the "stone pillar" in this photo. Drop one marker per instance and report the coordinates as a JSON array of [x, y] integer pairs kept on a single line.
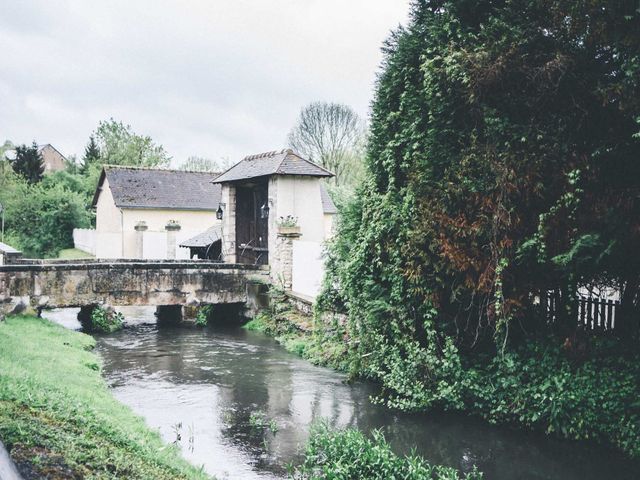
[[140, 228], [171, 228], [228, 198], [282, 266]]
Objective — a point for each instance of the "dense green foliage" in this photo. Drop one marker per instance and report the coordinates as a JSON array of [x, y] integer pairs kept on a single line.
[[502, 163], [40, 217], [42, 210], [538, 386], [58, 416], [348, 454]]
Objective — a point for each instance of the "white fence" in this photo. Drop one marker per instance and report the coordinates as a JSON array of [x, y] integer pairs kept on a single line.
[[308, 268], [111, 245], [85, 239]]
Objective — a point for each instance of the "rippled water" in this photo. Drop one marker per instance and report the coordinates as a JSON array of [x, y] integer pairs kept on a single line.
[[200, 387]]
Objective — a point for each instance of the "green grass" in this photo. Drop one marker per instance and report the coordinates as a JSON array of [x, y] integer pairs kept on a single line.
[[57, 414], [73, 254]]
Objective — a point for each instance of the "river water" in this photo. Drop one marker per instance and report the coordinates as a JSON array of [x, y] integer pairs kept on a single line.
[[241, 406]]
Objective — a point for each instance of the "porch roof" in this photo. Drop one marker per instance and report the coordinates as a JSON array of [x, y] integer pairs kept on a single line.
[[204, 239]]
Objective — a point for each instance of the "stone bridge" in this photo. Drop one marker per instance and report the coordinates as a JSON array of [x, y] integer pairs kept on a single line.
[[42, 284]]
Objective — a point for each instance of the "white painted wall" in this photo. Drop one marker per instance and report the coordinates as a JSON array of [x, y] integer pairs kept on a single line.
[[108, 245], [154, 245], [85, 239], [108, 216], [300, 197], [329, 225], [308, 267]]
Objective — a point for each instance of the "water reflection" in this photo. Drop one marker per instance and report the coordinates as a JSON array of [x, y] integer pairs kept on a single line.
[[199, 387]]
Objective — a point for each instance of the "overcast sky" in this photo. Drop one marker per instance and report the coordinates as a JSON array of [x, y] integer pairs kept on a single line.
[[210, 78]]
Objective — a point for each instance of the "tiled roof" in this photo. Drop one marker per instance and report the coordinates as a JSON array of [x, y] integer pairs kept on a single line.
[[327, 204], [205, 238], [283, 162], [135, 187]]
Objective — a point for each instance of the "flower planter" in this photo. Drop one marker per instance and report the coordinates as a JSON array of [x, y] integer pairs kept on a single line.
[[289, 231]]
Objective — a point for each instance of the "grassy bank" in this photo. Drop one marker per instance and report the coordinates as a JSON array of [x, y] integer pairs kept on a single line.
[[58, 419], [296, 332]]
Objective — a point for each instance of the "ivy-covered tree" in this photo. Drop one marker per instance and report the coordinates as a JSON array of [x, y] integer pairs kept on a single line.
[[503, 163], [28, 162]]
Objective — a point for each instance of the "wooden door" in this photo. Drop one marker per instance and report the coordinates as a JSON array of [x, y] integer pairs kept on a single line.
[[252, 231]]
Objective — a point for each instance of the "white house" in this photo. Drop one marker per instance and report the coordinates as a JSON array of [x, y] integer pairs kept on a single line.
[[146, 213]]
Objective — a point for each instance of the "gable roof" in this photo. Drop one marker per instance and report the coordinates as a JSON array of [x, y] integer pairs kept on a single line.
[[327, 204], [283, 162], [136, 187], [45, 145]]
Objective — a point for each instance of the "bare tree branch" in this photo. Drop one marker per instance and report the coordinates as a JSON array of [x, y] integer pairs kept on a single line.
[[332, 135]]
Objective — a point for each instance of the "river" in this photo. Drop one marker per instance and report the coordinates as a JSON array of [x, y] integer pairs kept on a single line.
[[241, 406]]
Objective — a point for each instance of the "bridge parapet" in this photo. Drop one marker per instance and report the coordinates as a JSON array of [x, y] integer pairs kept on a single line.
[[54, 284]]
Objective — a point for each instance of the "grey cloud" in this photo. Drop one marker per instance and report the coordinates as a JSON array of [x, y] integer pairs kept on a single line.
[[214, 78]]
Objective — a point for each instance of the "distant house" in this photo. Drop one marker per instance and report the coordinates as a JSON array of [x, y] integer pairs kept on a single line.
[[52, 159], [146, 213]]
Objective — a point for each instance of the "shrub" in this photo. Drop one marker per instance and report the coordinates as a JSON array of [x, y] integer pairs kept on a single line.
[[348, 454], [43, 217]]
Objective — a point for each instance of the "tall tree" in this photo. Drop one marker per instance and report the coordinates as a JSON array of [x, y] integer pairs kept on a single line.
[[28, 162], [120, 145], [332, 135], [91, 154]]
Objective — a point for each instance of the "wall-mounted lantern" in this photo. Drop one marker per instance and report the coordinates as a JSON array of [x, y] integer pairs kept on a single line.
[[264, 211], [220, 211]]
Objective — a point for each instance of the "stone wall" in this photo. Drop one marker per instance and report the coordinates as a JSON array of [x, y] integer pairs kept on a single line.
[[282, 261]]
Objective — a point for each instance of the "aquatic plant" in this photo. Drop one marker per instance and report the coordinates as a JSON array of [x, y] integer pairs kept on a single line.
[[106, 320], [204, 315], [349, 454], [259, 421]]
